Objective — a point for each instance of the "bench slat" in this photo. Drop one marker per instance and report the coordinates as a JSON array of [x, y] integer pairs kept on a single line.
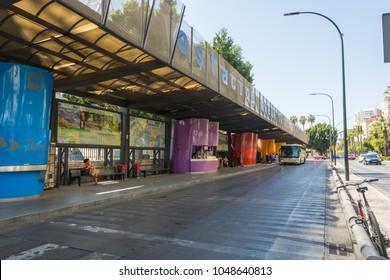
[[76, 173], [153, 168]]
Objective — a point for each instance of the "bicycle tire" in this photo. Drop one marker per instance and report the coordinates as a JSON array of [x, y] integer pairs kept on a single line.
[[377, 236]]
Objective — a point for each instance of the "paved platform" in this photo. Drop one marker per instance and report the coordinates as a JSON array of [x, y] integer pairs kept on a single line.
[[67, 199]]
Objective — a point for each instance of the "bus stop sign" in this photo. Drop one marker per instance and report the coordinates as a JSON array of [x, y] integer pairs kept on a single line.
[[386, 37]]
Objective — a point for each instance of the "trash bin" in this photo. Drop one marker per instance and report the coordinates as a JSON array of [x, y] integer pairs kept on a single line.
[[121, 167], [136, 169]]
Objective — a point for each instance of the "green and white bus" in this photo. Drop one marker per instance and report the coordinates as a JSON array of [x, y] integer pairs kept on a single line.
[[292, 154]]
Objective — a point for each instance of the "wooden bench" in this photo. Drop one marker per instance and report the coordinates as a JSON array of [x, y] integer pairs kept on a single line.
[[104, 172], [76, 173], [153, 168], [112, 172]]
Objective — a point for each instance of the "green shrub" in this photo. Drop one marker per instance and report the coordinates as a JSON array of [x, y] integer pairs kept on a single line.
[[385, 158]]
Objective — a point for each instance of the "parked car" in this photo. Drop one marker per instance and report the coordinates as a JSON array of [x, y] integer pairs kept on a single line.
[[351, 156], [372, 159], [361, 157], [340, 156], [319, 157]]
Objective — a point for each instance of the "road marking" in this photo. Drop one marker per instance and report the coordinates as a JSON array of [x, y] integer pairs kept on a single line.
[[120, 190], [100, 256], [242, 252], [380, 193], [35, 252]]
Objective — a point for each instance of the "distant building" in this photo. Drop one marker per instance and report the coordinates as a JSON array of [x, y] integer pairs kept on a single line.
[[366, 126], [366, 114], [385, 109], [366, 117]]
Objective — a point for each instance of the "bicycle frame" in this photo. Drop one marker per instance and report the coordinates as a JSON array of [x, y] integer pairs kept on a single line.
[[368, 218], [364, 209]]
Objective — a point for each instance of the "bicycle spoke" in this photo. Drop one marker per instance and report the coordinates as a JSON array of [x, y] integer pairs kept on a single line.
[[377, 236]]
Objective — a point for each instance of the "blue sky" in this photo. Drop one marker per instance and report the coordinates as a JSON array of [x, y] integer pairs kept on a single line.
[[297, 55]]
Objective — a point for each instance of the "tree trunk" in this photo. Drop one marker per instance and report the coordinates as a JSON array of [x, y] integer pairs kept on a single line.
[[385, 140]]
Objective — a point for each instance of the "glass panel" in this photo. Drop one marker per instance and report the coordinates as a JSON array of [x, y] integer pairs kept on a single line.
[[182, 55], [95, 5], [223, 77], [127, 17], [163, 28], [236, 86], [263, 107], [212, 68], [198, 57], [256, 101], [247, 94], [176, 18]]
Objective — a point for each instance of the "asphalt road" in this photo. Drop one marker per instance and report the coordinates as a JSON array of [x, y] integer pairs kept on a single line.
[[381, 172], [276, 214]]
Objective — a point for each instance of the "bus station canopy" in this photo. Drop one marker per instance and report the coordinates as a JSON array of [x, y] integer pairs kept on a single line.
[[90, 55]]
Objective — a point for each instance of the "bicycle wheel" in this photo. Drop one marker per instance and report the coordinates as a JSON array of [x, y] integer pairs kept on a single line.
[[377, 236]]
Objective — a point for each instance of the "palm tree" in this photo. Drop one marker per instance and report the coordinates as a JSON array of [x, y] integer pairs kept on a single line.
[[302, 120], [382, 125], [311, 119], [352, 136], [294, 119], [387, 94]]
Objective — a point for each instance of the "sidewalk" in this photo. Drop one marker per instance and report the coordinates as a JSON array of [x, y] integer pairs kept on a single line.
[[68, 199]]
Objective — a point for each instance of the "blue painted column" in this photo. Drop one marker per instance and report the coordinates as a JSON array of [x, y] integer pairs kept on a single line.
[[25, 103]]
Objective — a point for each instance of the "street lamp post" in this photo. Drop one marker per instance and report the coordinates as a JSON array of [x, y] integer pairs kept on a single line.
[[331, 138], [346, 163], [333, 152]]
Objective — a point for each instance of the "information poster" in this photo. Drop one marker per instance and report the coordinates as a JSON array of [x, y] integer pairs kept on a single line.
[[146, 133], [81, 125], [222, 143]]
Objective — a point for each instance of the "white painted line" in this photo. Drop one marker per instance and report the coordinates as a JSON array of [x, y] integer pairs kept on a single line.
[[120, 190], [380, 193], [36, 252], [108, 182], [252, 253]]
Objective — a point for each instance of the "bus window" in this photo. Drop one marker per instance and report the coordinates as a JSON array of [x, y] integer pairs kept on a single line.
[[292, 154]]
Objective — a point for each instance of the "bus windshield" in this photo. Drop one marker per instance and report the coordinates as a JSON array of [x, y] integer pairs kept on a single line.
[[293, 154], [290, 151]]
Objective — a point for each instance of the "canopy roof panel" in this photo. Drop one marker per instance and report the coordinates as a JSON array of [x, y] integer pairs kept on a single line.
[[92, 55]]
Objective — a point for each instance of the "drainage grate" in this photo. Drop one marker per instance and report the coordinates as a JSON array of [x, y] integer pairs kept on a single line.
[[339, 249]]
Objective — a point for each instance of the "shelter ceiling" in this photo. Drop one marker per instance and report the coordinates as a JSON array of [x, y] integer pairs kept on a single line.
[[88, 60]]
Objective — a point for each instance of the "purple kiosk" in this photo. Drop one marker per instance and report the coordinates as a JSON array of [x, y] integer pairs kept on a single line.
[[194, 146], [25, 95]]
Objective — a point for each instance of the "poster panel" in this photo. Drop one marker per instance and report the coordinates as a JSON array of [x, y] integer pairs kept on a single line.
[[145, 133], [223, 145], [80, 125]]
